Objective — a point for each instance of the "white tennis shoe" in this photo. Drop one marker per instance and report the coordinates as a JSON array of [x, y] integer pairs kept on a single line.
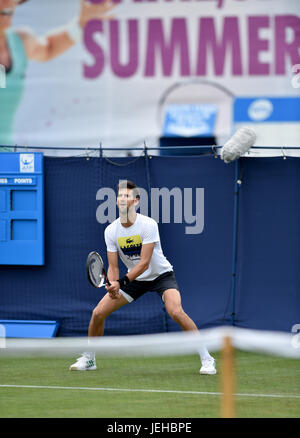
[[84, 363], [208, 366]]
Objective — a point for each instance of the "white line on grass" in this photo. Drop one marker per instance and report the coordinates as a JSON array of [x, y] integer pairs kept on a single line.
[[87, 388]]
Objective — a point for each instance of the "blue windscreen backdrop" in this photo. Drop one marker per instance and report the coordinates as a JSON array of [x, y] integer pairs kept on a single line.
[[261, 290]]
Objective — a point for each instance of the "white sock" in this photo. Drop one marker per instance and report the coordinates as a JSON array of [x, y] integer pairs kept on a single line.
[[89, 355], [204, 354]]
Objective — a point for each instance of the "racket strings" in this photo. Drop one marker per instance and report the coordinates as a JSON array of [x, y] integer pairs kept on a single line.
[[96, 270]]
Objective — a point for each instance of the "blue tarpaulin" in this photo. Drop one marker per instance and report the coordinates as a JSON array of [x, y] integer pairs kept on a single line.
[[197, 238]]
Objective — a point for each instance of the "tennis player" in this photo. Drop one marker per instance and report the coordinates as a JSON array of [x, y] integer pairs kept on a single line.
[[135, 238]]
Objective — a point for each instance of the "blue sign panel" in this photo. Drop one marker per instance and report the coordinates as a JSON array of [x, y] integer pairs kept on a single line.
[[265, 109], [21, 209], [15, 328], [189, 120]]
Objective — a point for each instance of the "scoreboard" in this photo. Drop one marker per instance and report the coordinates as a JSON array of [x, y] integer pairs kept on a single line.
[[21, 208]]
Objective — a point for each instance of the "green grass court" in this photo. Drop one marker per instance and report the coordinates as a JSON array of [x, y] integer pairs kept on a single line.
[[160, 387]]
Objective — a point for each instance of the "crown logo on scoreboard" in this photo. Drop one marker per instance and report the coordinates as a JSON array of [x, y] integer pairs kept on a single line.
[[27, 163]]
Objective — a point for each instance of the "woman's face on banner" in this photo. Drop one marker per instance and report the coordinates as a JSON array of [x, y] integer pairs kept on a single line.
[[7, 9]]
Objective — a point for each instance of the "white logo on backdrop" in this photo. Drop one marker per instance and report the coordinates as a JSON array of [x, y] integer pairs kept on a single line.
[[27, 163], [260, 109]]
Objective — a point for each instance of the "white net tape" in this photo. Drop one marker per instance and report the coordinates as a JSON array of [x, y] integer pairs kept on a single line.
[[267, 342]]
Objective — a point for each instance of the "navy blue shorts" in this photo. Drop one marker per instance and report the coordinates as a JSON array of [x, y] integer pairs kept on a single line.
[[136, 288]]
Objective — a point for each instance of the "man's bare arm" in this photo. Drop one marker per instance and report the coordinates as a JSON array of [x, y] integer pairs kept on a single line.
[[113, 266], [146, 254], [143, 264]]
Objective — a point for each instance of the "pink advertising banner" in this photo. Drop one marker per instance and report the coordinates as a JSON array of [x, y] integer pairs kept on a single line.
[[81, 73]]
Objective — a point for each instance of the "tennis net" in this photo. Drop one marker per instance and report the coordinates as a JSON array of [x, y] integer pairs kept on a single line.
[[156, 375]]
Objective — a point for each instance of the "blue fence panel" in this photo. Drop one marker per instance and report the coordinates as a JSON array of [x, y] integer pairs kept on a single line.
[[268, 281], [200, 247]]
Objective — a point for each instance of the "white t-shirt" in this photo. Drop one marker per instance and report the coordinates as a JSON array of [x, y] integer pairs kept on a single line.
[[128, 241]]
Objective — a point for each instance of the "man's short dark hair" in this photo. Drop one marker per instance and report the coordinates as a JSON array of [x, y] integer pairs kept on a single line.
[[127, 184]]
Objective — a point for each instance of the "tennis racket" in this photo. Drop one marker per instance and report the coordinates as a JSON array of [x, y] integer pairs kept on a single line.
[[95, 270]]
